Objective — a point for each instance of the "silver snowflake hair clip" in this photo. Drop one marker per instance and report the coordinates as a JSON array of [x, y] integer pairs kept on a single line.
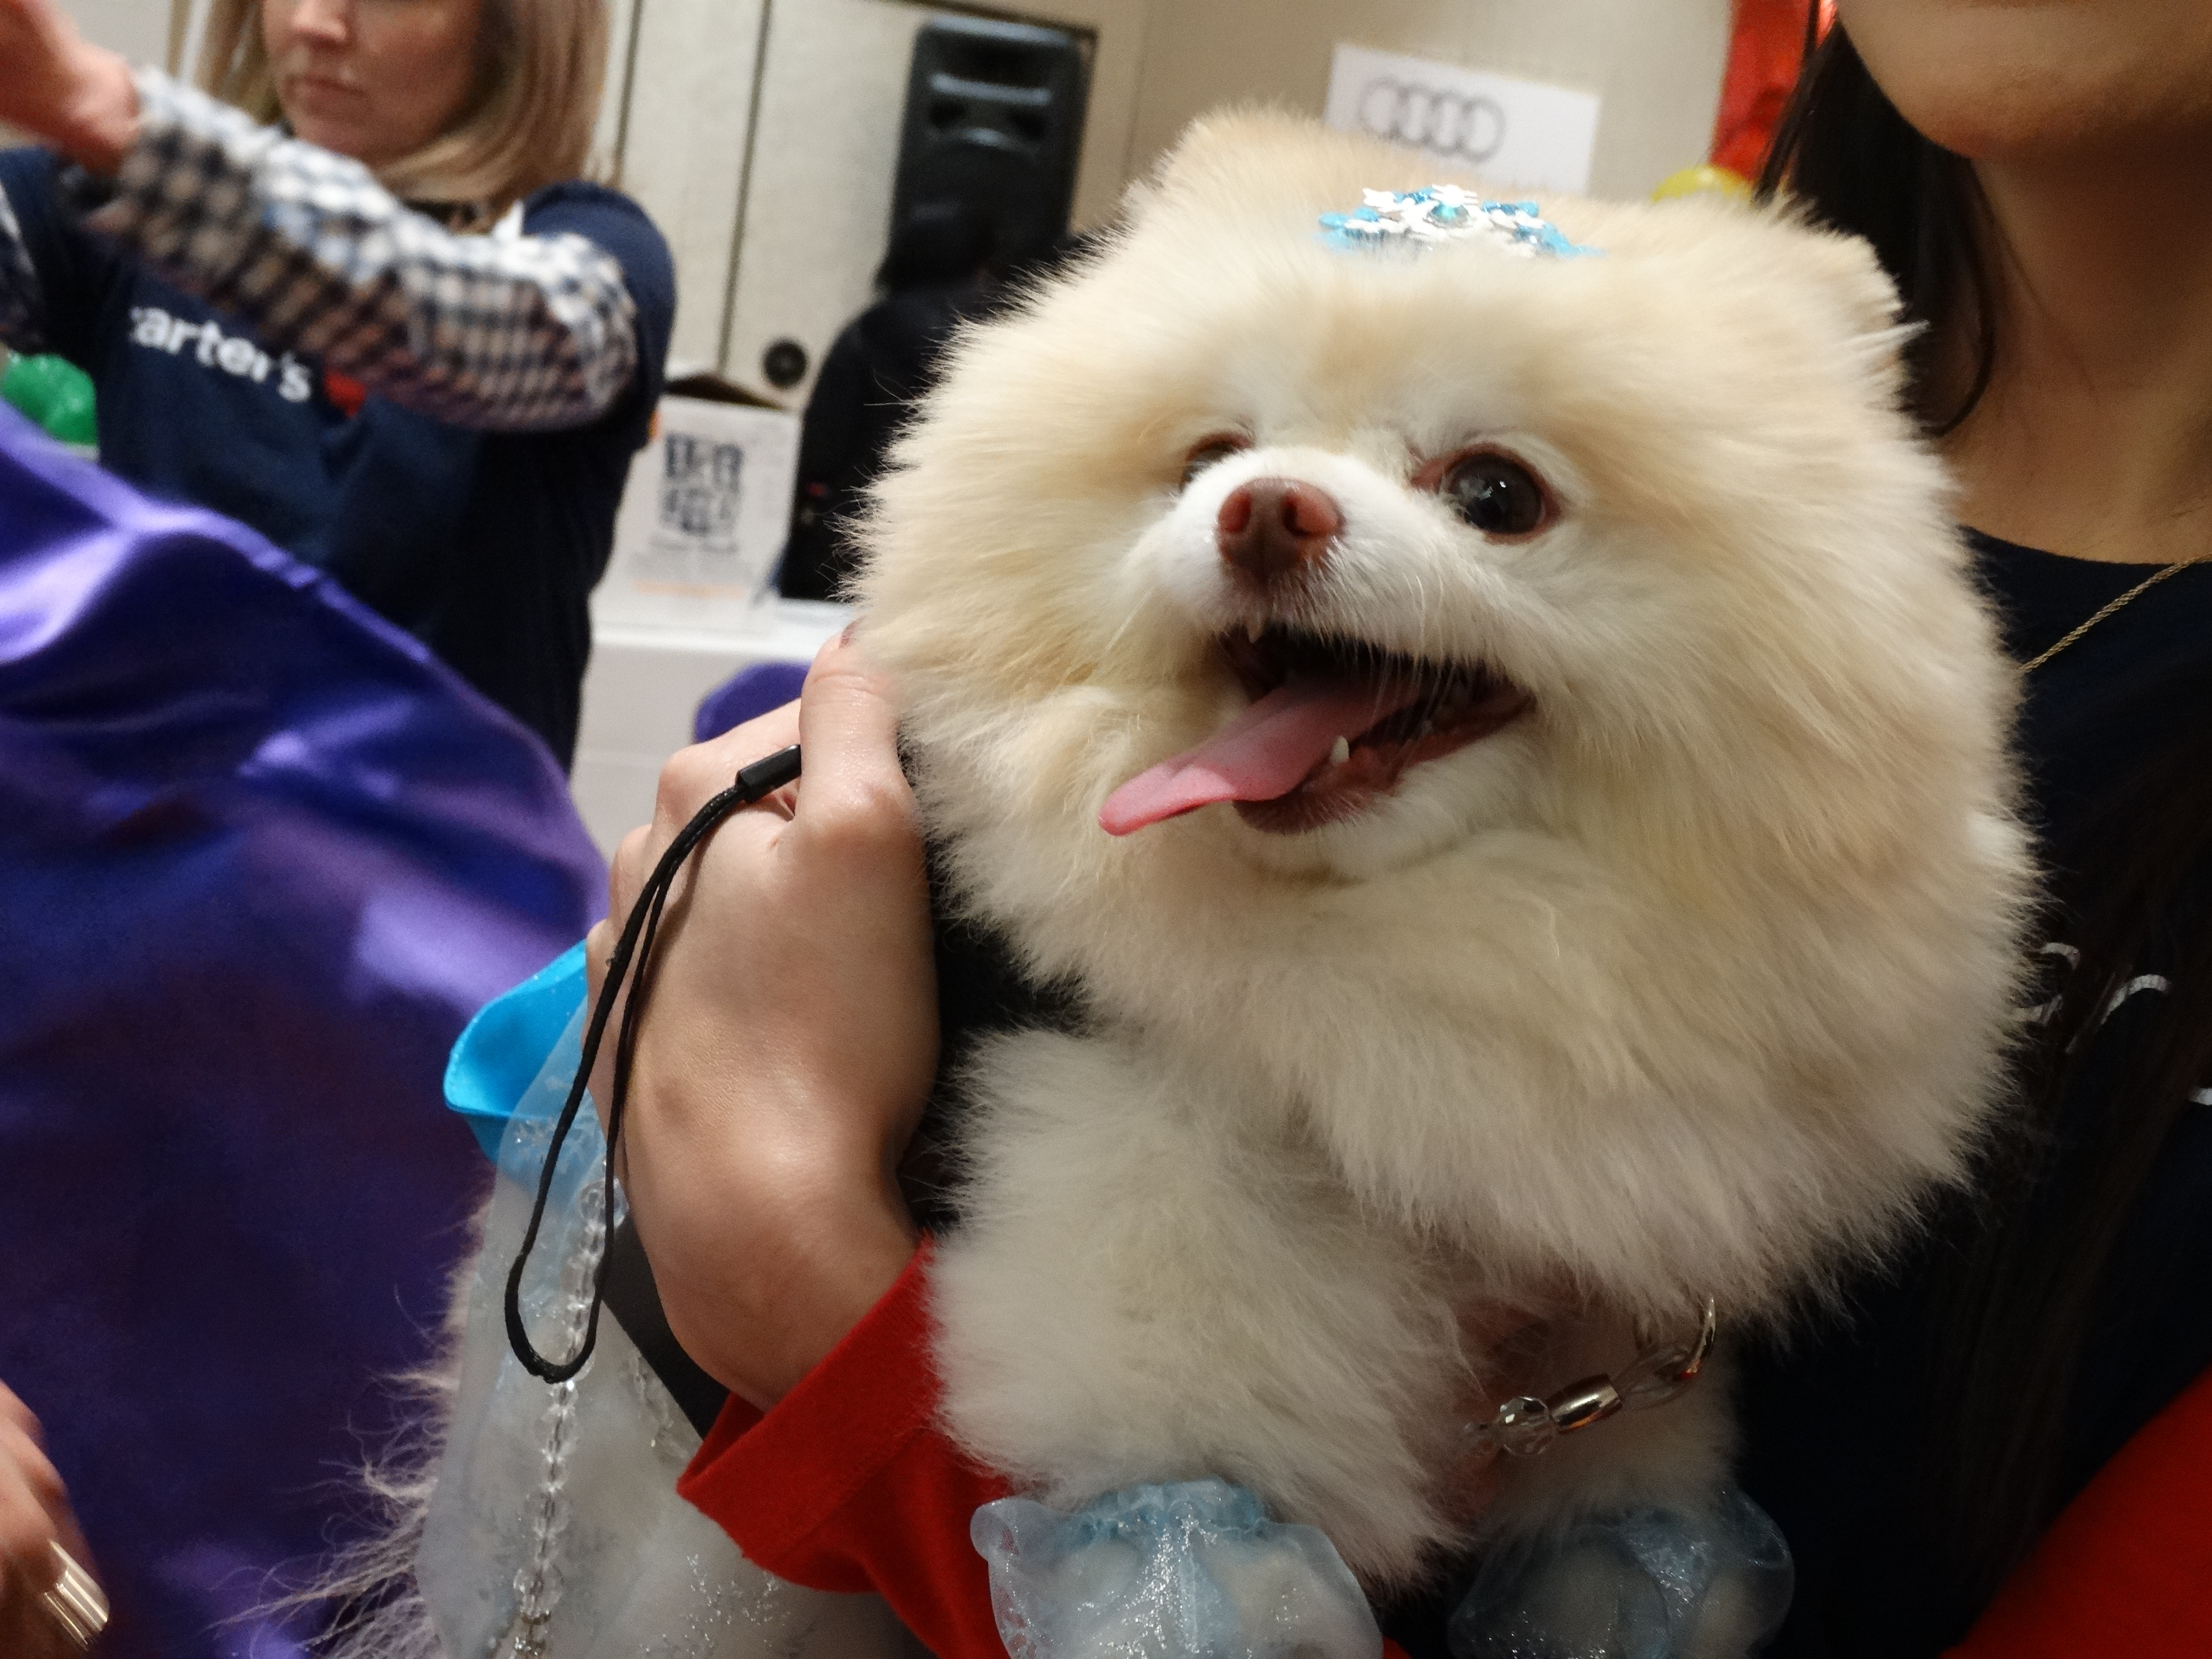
[[1447, 213]]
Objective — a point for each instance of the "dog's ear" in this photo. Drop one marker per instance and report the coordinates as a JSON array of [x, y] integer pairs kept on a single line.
[[1847, 268], [1777, 240], [1865, 308], [1830, 281], [1229, 142]]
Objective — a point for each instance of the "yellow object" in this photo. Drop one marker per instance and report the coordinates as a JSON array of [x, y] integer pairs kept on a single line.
[[1702, 179]]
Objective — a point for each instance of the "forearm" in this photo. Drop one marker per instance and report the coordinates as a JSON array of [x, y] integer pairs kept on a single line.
[[791, 1038], [818, 1248], [494, 332]]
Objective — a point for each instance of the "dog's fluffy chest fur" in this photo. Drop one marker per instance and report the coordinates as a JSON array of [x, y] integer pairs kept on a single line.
[[1655, 945], [1156, 1280]]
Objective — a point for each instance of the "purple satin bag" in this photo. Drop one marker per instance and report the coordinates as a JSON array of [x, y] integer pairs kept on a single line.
[[261, 857]]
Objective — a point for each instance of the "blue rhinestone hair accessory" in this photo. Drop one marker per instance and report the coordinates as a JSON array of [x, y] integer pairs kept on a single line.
[[1447, 213]]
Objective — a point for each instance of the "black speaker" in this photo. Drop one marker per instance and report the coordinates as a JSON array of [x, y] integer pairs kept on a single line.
[[994, 125]]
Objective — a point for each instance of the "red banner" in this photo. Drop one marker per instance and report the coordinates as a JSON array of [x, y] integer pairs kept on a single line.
[[1765, 52]]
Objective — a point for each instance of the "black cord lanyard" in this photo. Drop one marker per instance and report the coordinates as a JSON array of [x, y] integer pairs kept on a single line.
[[762, 777]]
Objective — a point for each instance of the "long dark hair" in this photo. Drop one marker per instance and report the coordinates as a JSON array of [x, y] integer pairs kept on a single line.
[[2027, 1262], [1843, 150]]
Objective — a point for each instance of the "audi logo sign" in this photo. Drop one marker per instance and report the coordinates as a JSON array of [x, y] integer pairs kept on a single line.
[[1467, 126], [1509, 132]]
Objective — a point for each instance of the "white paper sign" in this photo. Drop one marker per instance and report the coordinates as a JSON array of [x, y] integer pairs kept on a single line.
[[1518, 133], [703, 518]]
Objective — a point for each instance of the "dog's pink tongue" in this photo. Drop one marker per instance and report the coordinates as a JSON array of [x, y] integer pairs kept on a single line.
[[1267, 751]]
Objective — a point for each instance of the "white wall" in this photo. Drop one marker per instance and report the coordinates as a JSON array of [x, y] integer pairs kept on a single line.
[[770, 170], [683, 144], [139, 29], [762, 135]]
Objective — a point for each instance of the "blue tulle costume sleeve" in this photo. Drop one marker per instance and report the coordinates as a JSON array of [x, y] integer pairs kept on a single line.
[[1648, 1584], [1192, 1571], [1196, 1571]]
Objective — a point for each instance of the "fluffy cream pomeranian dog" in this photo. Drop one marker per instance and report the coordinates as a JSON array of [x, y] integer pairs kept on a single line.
[[1509, 756]]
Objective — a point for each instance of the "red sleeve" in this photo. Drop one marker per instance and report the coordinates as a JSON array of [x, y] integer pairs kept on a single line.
[[851, 1483], [2127, 1567]]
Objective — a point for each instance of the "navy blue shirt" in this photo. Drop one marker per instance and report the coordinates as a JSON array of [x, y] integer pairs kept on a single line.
[[1837, 1424], [484, 544]]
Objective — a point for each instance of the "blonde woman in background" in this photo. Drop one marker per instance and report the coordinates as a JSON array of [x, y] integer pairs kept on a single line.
[[354, 292]]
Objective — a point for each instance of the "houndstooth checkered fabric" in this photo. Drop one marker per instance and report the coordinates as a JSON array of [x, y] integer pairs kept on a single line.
[[19, 286], [506, 333]]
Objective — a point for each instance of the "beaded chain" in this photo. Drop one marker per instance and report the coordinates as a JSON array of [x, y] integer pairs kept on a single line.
[[538, 1585], [1525, 1425], [2079, 628]]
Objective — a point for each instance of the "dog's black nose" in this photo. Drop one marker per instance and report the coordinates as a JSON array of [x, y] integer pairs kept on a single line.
[[1272, 528]]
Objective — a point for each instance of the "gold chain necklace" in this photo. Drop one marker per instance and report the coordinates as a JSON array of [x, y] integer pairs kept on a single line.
[[2103, 612]]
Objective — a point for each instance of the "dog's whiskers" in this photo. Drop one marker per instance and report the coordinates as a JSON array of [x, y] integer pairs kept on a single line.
[[1136, 610]]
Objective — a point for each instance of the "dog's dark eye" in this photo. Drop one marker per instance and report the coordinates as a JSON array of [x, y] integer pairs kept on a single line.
[[1208, 451], [1497, 495]]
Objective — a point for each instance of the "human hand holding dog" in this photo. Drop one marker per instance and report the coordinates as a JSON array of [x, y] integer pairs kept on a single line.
[[59, 86], [790, 1041]]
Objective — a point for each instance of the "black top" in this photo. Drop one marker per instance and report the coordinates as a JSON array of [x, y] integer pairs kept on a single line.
[[1833, 1427]]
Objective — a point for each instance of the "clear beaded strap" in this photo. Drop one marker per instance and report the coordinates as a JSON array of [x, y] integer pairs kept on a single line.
[[1525, 1425], [538, 1584]]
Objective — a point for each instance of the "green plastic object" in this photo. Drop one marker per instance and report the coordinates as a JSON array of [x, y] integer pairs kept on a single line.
[[56, 394]]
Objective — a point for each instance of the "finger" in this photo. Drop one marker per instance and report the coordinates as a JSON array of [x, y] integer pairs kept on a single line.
[[848, 723], [635, 856], [693, 776], [763, 734], [629, 871], [13, 1411], [690, 778], [599, 949], [28, 1527], [27, 1561], [31, 1471]]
